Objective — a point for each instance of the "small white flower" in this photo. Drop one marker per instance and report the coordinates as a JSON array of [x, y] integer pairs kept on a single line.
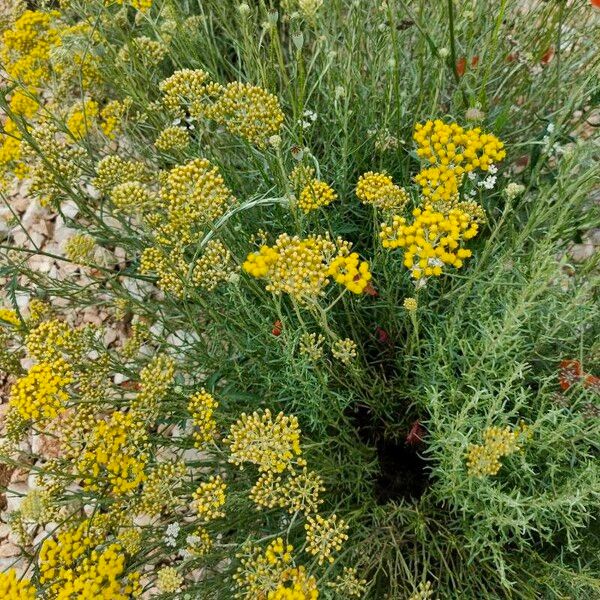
[[489, 182], [171, 533], [444, 52], [492, 169], [550, 128], [471, 175]]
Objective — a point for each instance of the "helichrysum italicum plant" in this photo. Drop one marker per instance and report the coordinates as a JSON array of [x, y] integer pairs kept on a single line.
[[396, 300]]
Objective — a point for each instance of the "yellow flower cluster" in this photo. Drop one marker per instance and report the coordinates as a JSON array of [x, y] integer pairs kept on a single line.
[[301, 267], [452, 151], [209, 497], [345, 350], [130, 538], [111, 116], [82, 117], [484, 459], [57, 162], [249, 112], [25, 48], [311, 346], [379, 190], [297, 492], [42, 394], [410, 304], [143, 50], [431, 241], [133, 197], [168, 580], [38, 311], [10, 148], [295, 584], [155, 380], [199, 543], [213, 267], [54, 339], [80, 248], [325, 536], [351, 272], [194, 193], [10, 316], [159, 491], [77, 63], [269, 443], [202, 406], [348, 585], [169, 265], [189, 91], [315, 194], [24, 103], [172, 138], [142, 5], [272, 576], [244, 110], [13, 589], [113, 170], [75, 565], [115, 455]]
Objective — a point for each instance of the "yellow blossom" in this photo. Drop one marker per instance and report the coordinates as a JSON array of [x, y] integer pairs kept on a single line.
[[325, 536], [12, 588], [248, 111], [451, 151], [497, 442], [379, 190], [42, 393], [269, 443], [209, 497], [10, 316], [431, 241], [315, 194], [201, 406]]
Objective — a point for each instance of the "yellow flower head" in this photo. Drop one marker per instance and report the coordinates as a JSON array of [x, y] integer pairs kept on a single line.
[[379, 190], [10, 316], [271, 444], [13, 589], [42, 393], [431, 241], [302, 267], [350, 271], [451, 151], [497, 442], [202, 406], [314, 195], [249, 112], [82, 118], [209, 497], [325, 536]]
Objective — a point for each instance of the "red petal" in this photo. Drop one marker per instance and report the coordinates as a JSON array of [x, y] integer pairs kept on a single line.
[[548, 56], [570, 372], [475, 61], [370, 290], [461, 65]]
